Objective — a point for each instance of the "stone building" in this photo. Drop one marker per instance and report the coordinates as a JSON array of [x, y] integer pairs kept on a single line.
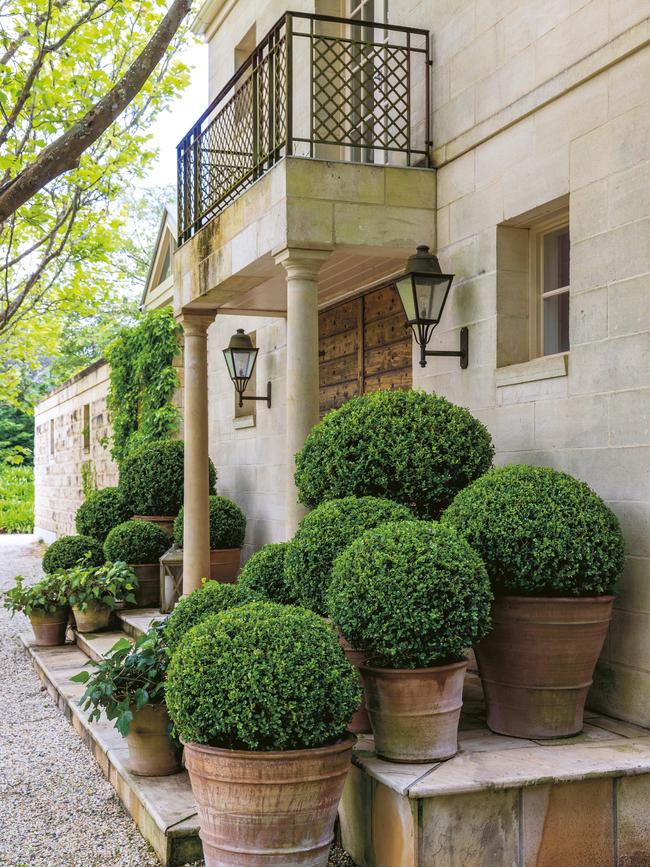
[[513, 139]]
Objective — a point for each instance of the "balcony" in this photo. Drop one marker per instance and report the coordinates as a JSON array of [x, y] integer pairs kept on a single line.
[[317, 87]]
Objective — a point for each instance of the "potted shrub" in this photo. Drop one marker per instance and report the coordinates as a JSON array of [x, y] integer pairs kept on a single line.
[[45, 605], [94, 591], [264, 574], [553, 551], [416, 448], [227, 531], [321, 536], [260, 696], [67, 551], [101, 511], [128, 686], [416, 596], [212, 598], [140, 544], [151, 480]]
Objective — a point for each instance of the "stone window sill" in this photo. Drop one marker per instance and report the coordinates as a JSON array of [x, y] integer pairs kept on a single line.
[[548, 367], [243, 421]]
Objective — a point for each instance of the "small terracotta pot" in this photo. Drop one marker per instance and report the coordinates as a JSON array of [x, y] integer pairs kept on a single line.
[[275, 809], [165, 522], [148, 593], [360, 723], [414, 713], [224, 564], [49, 629], [537, 663], [96, 616], [152, 753]]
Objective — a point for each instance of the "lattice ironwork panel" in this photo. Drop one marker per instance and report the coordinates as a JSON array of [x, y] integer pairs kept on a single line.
[[360, 94], [272, 103]]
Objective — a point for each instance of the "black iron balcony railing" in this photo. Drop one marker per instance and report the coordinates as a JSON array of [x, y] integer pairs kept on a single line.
[[315, 86]]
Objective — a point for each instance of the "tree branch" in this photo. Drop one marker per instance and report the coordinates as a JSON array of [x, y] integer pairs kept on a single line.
[[64, 153]]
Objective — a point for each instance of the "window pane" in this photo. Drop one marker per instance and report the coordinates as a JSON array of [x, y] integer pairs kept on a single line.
[[556, 324], [556, 259]]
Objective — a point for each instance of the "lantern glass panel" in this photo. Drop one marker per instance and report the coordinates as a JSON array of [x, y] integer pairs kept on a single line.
[[405, 292], [240, 362], [430, 291]]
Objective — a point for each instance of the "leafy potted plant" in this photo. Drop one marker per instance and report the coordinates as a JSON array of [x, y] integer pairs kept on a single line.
[[260, 696], [416, 448], [151, 481], [264, 575], [128, 686], [141, 544], [67, 551], [212, 598], [553, 551], [101, 511], [321, 536], [227, 531], [46, 606], [94, 591], [416, 596]]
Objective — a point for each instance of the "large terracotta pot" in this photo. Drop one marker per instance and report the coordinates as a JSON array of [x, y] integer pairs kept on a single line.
[[274, 809], [152, 753], [95, 617], [148, 593], [414, 713], [538, 661], [165, 522], [49, 629], [360, 723], [224, 564]]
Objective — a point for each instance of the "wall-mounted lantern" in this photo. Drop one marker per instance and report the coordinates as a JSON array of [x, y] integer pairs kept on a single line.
[[240, 358], [423, 291]]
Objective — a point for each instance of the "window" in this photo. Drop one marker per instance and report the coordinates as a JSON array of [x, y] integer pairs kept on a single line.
[[51, 437], [552, 255], [86, 427]]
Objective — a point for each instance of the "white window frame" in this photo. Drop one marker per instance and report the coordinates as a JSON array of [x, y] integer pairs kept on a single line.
[[538, 232]]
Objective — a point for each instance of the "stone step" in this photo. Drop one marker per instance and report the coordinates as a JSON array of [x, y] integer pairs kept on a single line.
[[96, 645], [581, 800], [163, 808], [135, 621]]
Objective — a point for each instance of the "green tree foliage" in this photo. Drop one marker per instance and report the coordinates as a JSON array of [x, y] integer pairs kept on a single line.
[[16, 499], [57, 60], [143, 380], [16, 434]]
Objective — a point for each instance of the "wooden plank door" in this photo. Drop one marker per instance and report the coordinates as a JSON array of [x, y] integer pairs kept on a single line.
[[364, 345]]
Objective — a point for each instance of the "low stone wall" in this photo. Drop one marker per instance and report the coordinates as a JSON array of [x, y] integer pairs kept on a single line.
[[71, 450]]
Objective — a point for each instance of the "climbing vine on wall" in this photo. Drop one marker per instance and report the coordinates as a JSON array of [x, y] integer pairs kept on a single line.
[[143, 380]]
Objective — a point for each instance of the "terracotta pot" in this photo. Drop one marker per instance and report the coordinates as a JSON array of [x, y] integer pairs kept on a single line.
[[165, 522], [414, 713], [274, 809], [152, 753], [224, 564], [360, 723], [148, 593], [538, 661], [96, 616], [49, 629]]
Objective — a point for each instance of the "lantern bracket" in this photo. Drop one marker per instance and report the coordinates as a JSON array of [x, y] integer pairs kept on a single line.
[[266, 397], [462, 353]]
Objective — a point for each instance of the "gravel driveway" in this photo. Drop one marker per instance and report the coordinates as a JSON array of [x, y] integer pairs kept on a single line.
[[56, 808]]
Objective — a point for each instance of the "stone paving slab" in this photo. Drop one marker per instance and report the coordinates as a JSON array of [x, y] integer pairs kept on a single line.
[[97, 645], [135, 621], [163, 808]]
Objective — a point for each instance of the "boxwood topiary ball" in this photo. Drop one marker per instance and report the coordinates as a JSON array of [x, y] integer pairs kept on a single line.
[[323, 534], [227, 524], [264, 574], [409, 446], [261, 677], [209, 599], [102, 510], [540, 532], [136, 542], [151, 479], [67, 551], [413, 594]]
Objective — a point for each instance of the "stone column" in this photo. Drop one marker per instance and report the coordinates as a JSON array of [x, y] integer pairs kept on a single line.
[[302, 268], [196, 525]]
